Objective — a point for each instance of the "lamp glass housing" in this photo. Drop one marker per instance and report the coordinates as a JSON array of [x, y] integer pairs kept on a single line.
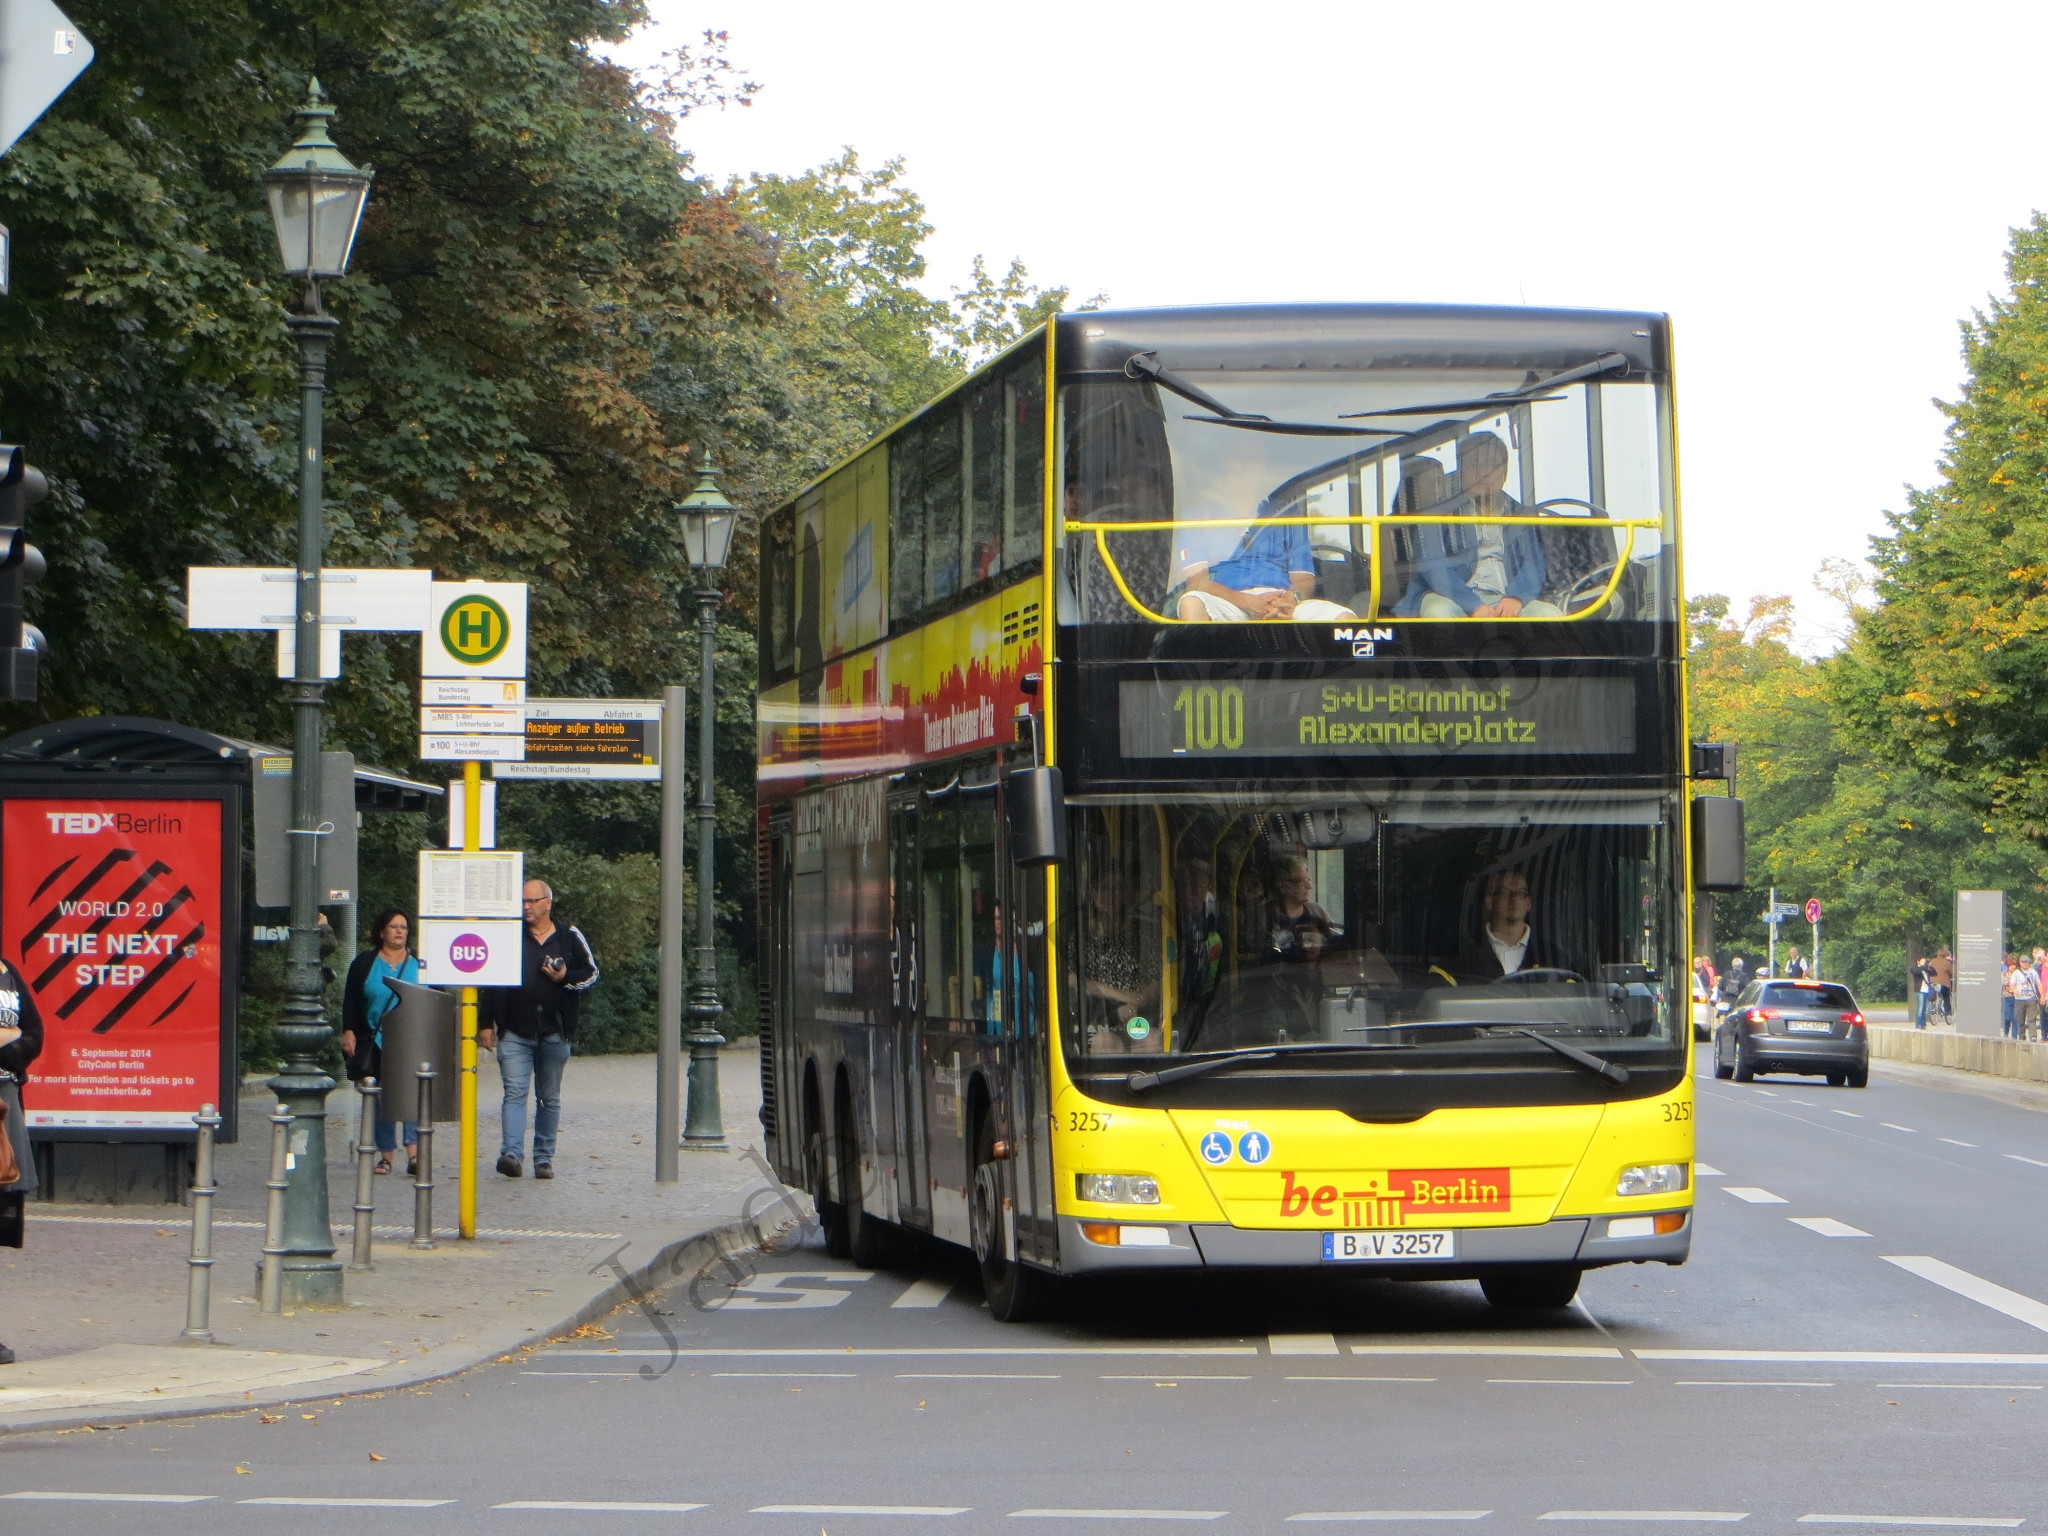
[[315, 213], [707, 537]]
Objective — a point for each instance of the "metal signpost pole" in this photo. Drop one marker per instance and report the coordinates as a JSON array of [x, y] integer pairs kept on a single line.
[[675, 816], [472, 842], [1773, 905]]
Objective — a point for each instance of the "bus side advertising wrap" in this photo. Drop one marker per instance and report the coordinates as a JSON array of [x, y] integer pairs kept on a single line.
[[111, 909]]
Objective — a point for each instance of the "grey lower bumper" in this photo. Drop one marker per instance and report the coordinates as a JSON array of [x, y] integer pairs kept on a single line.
[[1204, 1245]]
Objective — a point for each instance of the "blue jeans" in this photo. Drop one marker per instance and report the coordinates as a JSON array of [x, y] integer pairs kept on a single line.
[[387, 1135], [2009, 1005], [1920, 1020], [524, 1063]]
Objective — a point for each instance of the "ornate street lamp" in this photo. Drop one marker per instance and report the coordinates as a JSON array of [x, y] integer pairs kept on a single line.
[[316, 202], [708, 523]]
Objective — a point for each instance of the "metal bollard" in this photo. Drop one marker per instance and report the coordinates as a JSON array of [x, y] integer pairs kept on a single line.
[[423, 1186], [366, 1180], [199, 1287], [271, 1288]]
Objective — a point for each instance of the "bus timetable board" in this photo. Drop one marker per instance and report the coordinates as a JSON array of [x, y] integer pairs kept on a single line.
[[589, 739], [1388, 713], [116, 910]]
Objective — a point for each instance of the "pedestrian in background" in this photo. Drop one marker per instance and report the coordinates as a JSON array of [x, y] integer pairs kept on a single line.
[[1944, 977], [1795, 968], [2026, 995], [2008, 999], [364, 1002], [532, 1027], [21, 1041], [1921, 977]]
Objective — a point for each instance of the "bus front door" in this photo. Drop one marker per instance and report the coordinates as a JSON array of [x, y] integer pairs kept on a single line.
[[913, 1159]]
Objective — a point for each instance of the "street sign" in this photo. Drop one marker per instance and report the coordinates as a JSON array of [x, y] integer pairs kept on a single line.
[[41, 53], [589, 739], [466, 720], [262, 597], [470, 884], [468, 952], [272, 819], [477, 692], [1781, 911], [475, 629], [1813, 909], [472, 749]]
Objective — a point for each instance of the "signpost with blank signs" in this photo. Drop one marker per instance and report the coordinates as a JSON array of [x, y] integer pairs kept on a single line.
[[472, 710]]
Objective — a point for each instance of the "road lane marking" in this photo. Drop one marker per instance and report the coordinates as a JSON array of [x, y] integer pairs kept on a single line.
[[1302, 1344], [1769, 1094], [2035, 1161], [1958, 1386], [1954, 1143], [1850, 1113], [1838, 1357], [1545, 1351], [52, 1495], [787, 1375], [1906, 1128], [1752, 1383], [2020, 1308], [924, 1293], [608, 1504], [1118, 1514], [927, 1352], [861, 1509], [1173, 1380], [1753, 1195], [1553, 1381], [1390, 1514], [1968, 1521], [353, 1504], [1827, 1226], [1707, 1171], [1718, 1516], [973, 1376], [1360, 1378]]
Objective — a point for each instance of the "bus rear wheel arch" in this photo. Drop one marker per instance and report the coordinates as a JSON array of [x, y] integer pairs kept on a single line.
[[818, 1165], [1016, 1292]]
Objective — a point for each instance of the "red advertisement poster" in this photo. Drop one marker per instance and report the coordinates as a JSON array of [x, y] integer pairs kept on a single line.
[[112, 911]]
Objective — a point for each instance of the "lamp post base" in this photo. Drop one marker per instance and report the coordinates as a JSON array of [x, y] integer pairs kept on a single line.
[[313, 1283]]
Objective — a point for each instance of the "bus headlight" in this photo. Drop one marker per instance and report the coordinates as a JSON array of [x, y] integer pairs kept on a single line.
[[1651, 1179], [1117, 1188]]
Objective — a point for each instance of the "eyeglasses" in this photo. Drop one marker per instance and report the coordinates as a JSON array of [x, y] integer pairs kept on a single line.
[[533, 901]]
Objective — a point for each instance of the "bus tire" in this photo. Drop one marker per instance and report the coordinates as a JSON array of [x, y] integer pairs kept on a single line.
[[1532, 1286], [870, 1241], [831, 1214], [1016, 1293]]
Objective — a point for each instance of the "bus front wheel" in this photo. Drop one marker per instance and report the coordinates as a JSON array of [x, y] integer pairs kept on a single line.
[[1016, 1292], [1532, 1286]]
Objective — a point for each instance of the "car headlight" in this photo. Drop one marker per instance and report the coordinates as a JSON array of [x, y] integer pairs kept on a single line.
[[1117, 1188], [1651, 1179]]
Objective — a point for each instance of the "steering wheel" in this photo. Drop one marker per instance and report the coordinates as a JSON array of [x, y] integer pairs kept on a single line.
[[1543, 973], [1588, 587]]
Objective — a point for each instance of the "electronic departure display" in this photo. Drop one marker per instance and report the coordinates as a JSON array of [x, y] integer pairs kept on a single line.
[[1391, 714]]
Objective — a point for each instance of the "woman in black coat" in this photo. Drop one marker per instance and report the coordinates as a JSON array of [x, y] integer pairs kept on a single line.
[[21, 1041]]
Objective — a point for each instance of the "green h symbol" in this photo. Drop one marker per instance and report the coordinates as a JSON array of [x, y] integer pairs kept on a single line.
[[473, 624]]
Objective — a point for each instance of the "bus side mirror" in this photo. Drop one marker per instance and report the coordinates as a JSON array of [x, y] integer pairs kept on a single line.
[[1717, 843], [1038, 817]]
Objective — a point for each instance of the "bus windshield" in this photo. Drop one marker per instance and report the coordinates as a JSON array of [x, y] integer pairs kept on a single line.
[[1333, 495], [1422, 926]]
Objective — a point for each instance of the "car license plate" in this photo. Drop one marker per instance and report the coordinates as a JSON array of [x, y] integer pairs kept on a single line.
[[1809, 1027], [1377, 1247]]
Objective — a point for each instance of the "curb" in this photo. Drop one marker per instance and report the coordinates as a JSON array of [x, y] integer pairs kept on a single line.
[[669, 1263]]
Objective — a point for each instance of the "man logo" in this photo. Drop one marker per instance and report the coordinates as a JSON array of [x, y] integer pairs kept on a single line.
[[1362, 640]]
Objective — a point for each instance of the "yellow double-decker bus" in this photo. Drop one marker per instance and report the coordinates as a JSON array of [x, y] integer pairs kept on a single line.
[[1223, 801]]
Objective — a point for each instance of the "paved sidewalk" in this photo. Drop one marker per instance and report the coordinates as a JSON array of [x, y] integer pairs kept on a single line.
[[95, 1302]]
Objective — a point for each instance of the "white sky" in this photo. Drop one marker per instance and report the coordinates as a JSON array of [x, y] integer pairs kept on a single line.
[[1817, 193]]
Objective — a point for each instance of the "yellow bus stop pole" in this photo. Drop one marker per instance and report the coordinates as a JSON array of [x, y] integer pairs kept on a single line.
[[472, 841]]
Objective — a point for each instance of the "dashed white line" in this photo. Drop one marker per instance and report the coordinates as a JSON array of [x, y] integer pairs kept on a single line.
[[1545, 1351], [1748, 1192], [1707, 1171], [1954, 1143], [1359, 1378], [1302, 1344], [1390, 1514], [619, 1505], [2020, 1308], [924, 1293], [1177, 1377], [2034, 1161], [1906, 1128], [1827, 1226], [1752, 1383], [974, 1376], [55, 1496], [296, 1503], [1118, 1514], [1553, 1381], [1849, 1113], [1716, 1516], [1838, 1357], [861, 1509], [787, 1375], [1971, 1522], [1958, 1386]]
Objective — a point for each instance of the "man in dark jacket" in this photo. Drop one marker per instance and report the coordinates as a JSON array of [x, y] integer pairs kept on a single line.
[[21, 1041], [532, 1025]]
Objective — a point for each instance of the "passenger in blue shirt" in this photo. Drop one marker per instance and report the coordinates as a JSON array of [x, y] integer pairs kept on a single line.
[[364, 1003], [1272, 575], [1479, 571]]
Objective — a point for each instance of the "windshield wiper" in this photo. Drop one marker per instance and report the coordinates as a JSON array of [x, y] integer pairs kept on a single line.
[[1294, 428], [1140, 1081], [1146, 365], [1595, 1064], [1528, 394]]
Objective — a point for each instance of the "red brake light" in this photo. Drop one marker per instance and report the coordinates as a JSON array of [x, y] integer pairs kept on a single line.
[[1852, 1018], [1758, 1015]]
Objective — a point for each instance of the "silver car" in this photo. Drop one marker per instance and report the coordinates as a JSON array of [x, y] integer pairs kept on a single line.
[[1809, 1027]]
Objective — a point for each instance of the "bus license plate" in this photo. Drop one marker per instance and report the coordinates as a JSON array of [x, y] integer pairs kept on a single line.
[[1378, 1247]]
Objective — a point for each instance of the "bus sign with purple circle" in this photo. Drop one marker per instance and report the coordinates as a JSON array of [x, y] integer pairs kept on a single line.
[[469, 953]]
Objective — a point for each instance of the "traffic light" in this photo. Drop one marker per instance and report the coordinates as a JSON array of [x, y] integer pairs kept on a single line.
[[21, 566]]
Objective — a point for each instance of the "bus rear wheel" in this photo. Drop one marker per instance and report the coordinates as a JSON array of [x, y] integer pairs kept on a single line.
[[871, 1242], [1532, 1286], [1016, 1293]]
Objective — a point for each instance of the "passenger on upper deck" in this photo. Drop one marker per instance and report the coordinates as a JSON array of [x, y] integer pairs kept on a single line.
[[1272, 575], [1481, 571]]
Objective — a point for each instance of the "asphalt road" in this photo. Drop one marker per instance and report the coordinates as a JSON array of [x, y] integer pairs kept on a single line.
[[1860, 1340]]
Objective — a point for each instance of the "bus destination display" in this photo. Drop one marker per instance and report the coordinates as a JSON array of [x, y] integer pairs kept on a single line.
[[1395, 715]]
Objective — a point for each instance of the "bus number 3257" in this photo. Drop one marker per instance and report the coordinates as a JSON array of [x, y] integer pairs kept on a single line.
[[1211, 716]]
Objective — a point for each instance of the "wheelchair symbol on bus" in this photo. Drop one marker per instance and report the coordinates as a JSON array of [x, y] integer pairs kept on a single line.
[[1215, 1149], [1254, 1147]]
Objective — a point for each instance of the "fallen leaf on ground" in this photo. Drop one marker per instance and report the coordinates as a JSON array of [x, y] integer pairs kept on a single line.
[[241, 1471], [271, 1418], [375, 1457]]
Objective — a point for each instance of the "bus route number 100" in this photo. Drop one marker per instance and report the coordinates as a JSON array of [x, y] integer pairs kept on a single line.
[[1211, 717]]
